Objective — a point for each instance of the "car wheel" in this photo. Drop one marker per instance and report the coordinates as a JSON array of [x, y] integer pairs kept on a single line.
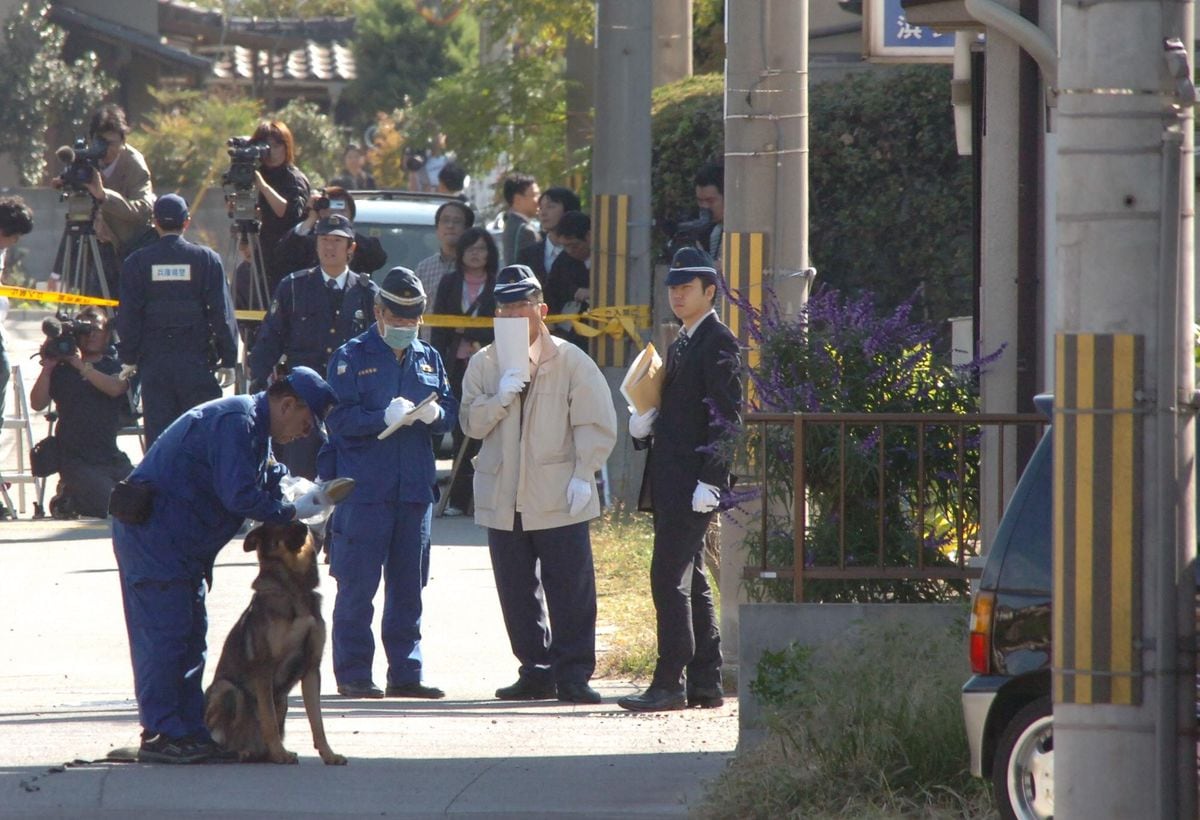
[[1023, 771]]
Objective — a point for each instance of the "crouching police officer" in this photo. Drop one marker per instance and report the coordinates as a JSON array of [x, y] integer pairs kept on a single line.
[[208, 472], [380, 377], [175, 320], [314, 312]]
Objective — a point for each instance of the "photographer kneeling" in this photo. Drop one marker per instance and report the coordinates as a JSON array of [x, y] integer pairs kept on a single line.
[[79, 375]]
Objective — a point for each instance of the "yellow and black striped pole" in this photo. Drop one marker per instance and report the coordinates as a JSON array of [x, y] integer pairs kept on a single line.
[[743, 260], [1098, 515], [610, 240]]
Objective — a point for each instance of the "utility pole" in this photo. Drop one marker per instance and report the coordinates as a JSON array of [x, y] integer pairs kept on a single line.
[[1124, 541], [621, 196], [766, 148], [672, 41], [581, 92]]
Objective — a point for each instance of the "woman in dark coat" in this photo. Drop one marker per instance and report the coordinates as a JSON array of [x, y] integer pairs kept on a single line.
[[283, 191], [467, 291]]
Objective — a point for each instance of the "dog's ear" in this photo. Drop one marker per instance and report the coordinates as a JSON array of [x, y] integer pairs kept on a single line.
[[253, 539]]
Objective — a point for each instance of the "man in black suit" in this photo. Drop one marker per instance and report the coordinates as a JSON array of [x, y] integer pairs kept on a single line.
[[553, 204], [686, 472]]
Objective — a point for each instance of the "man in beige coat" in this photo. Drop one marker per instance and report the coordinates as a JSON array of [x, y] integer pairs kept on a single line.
[[543, 441]]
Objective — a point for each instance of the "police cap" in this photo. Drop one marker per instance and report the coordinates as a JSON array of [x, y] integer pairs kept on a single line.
[[690, 263], [514, 283], [402, 293], [170, 211], [335, 225], [312, 390]]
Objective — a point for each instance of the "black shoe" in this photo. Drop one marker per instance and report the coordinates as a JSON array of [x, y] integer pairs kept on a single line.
[[706, 697], [415, 690], [359, 689], [527, 689], [654, 699], [163, 749], [216, 752], [577, 693]]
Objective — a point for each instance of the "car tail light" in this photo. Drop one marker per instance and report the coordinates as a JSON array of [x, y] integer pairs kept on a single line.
[[981, 632]]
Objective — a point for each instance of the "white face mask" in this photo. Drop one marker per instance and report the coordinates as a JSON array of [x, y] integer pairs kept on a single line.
[[399, 338]]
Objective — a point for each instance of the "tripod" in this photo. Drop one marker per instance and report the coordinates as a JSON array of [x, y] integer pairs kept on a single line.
[[82, 264], [250, 288]]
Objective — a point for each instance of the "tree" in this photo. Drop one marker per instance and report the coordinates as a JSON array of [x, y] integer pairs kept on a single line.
[[42, 90], [399, 55]]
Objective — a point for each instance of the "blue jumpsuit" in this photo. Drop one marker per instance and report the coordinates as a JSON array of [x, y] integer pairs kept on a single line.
[[384, 524], [210, 470], [307, 323], [176, 324]]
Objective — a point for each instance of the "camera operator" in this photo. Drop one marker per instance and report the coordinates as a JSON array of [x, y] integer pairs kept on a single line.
[[176, 321], [122, 191], [16, 220], [710, 197], [80, 376], [282, 194], [298, 248]]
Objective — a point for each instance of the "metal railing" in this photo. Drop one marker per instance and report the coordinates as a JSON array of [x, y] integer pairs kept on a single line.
[[963, 432]]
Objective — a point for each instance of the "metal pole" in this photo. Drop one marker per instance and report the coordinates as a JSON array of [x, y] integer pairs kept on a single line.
[[766, 137]]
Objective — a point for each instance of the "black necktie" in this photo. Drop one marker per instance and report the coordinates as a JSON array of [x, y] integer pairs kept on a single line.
[[335, 294], [680, 345]]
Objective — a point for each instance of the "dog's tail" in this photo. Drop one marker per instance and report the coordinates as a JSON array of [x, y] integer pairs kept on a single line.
[[225, 708]]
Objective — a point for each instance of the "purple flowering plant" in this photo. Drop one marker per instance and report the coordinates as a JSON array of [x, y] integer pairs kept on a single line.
[[842, 354]]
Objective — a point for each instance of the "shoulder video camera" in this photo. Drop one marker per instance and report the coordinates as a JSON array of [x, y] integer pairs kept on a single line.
[[245, 157], [689, 233], [62, 336]]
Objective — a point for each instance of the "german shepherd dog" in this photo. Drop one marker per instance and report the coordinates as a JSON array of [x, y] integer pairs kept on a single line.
[[277, 643]]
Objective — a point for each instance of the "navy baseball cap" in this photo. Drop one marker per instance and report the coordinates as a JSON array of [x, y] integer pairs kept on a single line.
[[402, 293], [515, 282], [170, 211], [312, 390], [335, 225], [689, 263]]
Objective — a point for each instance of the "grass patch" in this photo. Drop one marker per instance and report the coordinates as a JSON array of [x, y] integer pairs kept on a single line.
[[866, 727], [622, 543]]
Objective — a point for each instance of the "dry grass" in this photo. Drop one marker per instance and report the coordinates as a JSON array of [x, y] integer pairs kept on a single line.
[[621, 546]]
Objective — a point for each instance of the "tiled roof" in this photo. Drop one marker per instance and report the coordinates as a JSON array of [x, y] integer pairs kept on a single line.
[[314, 62]]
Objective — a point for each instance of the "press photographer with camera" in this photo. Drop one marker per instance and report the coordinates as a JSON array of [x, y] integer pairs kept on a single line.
[[80, 376], [176, 320], [283, 192], [120, 186], [710, 199], [298, 248]]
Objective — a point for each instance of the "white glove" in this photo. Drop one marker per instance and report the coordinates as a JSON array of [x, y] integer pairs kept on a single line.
[[641, 425], [397, 409], [429, 413], [309, 505], [705, 498], [225, 376], [511, 383], [579, 493]]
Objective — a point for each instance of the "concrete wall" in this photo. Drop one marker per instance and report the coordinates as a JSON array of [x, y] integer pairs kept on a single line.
[[773, 627]]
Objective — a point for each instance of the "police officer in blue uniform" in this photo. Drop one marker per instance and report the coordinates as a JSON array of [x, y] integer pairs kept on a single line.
[[175, 320], [208, 472], [314, 312], [380, 377]]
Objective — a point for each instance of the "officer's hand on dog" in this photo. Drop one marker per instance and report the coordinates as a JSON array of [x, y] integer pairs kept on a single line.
[[511, 383], [705, 498], [641, 425], [579, 493], [396, 410]]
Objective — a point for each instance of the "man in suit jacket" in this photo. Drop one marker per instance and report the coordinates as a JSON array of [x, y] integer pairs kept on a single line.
[[521, 196], [686, 472], [553, 204]]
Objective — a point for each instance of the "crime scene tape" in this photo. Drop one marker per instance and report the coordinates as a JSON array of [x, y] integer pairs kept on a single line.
[[614, 321], [54, 297]]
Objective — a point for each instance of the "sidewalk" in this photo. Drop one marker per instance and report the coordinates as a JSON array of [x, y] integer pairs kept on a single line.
[[67, 696]]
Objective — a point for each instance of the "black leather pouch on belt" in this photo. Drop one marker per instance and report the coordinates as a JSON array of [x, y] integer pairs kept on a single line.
[[131, 501]]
